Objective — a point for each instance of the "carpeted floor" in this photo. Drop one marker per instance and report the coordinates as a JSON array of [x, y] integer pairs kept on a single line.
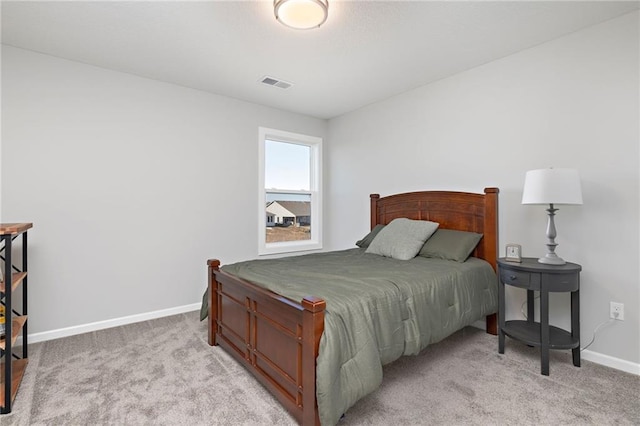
[[164, 372]]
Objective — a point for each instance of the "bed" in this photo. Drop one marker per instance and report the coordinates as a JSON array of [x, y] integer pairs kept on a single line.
[[287, 339]]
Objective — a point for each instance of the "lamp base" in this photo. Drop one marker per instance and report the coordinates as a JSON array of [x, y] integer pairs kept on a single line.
[[552, 259]]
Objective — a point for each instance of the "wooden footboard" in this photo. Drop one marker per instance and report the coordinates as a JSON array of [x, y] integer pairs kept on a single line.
[[273, 337]]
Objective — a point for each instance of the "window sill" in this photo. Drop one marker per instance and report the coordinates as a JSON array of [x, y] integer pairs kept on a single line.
[[289, 247]]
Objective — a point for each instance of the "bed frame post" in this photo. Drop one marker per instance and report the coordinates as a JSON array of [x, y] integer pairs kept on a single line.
[[374, 209], [312, 329], [214, 264], [491, 223], [491, 244]]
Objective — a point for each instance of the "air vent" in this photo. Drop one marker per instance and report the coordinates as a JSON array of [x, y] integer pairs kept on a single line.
[[270, 81]]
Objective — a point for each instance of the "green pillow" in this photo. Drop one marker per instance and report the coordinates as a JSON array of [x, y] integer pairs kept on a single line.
[[364, 243], [402, 238], [450, 244]]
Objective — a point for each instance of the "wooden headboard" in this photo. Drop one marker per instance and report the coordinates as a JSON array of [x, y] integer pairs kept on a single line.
[[463, 211]]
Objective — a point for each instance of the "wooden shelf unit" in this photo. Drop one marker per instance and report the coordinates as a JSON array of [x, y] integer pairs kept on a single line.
[[18, 368], [16, 325], [13, 365], [16, 279]]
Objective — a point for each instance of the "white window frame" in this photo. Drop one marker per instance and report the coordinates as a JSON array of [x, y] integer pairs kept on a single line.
[[315, 145]]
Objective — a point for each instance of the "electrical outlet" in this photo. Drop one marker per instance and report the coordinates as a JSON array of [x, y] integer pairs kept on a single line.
[[616, 311]]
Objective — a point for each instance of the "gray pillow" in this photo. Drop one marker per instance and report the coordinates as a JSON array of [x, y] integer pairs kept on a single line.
[[364, 243], [402, 238], [450, 244]]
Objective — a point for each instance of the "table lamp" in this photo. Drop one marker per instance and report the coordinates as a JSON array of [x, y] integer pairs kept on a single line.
[[552, 186]]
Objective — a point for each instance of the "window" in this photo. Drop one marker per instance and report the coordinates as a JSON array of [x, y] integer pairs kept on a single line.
[[290, 202]]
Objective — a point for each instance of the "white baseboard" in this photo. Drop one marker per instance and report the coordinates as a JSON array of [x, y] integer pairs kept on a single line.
[[598, 358], [609, 361], [101, 325]]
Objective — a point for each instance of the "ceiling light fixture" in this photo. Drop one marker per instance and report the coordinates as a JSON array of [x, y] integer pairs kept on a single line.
[[301, 14]]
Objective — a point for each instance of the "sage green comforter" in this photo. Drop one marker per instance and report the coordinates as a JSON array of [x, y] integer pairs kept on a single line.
[[378, 309]]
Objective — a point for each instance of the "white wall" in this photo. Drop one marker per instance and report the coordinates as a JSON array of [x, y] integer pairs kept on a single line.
[[132, 184], [572, 102]]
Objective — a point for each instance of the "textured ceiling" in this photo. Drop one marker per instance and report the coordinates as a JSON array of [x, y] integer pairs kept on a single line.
[[365, 52]]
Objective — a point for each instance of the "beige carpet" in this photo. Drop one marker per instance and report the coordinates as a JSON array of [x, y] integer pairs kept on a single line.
[[162, 372]]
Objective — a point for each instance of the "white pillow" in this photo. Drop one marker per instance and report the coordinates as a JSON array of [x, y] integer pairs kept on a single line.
[[402, 238]]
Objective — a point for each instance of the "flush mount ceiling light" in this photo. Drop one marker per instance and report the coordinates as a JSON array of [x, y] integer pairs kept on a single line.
[[301, 14]]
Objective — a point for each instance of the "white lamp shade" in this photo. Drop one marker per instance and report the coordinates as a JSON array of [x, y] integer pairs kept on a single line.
[[552, 186], [301, 14]]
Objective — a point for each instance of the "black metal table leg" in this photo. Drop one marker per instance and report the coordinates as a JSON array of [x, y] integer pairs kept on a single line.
[[501, 319], [575, 325], [544, 328]]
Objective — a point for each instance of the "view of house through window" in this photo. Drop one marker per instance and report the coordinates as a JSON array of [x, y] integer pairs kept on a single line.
[[291, 198], [288, 218], [287, 191]]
